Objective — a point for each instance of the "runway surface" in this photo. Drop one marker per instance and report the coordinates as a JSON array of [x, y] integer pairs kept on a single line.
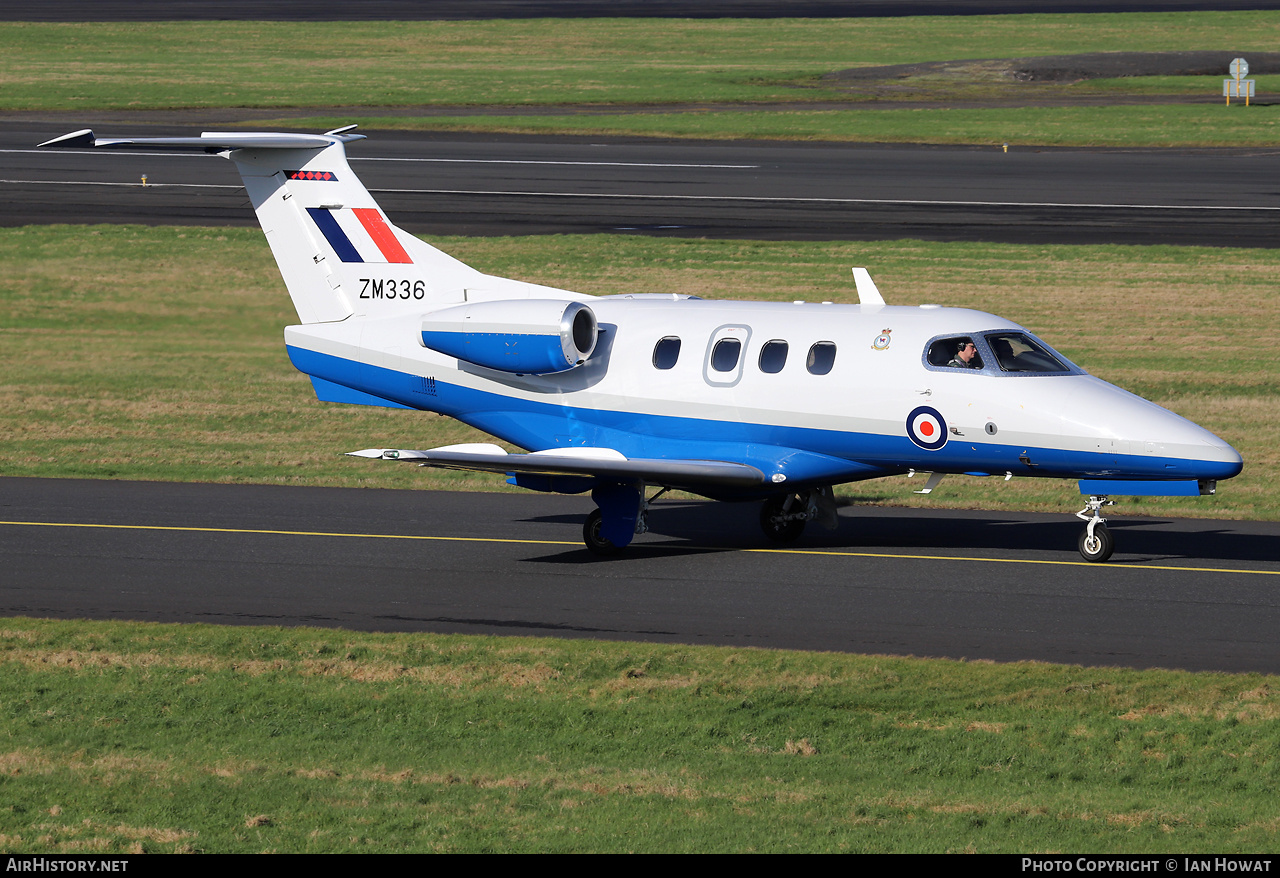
[[1183, 594], [460, 184]]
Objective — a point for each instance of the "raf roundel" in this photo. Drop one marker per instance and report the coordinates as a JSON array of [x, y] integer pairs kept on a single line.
[[926, 428]]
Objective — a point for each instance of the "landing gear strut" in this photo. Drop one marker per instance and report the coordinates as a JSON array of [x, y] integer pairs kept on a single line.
[[1096, 543], [784, 516], [630, 511]]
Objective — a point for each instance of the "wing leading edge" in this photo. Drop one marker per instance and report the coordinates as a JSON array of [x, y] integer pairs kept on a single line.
[[600, 463]]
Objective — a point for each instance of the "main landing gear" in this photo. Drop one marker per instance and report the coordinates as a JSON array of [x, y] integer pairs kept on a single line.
[[1096, 543], [784, 516], [622, 513], [596, 543]]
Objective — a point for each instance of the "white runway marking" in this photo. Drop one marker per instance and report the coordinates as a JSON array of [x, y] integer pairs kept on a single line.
[[769, 199], [415, 159], [549, 162]]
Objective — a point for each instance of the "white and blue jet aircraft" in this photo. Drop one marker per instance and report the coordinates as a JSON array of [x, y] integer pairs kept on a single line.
[[730, 400]]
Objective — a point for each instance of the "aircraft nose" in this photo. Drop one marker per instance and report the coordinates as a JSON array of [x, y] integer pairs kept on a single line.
[[1221, 455], [1184, 447], [1152, 441]]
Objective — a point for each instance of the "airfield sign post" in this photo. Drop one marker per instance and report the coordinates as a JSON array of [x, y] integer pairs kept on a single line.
[[1237, 85]]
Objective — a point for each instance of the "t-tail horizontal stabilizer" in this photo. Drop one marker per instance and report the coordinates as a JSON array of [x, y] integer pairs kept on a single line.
[[209, 141], [338, 253]]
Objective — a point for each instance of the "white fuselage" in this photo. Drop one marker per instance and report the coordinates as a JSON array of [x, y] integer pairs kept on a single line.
[[1066, 424]]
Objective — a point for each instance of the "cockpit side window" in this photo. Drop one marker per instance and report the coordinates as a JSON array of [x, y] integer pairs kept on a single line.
[[958, 352], [1018, 352]]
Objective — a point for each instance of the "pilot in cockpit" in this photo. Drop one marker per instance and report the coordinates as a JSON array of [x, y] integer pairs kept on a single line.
[[966, 357]]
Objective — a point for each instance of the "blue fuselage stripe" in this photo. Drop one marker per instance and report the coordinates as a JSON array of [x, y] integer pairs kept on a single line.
[[830, 455]]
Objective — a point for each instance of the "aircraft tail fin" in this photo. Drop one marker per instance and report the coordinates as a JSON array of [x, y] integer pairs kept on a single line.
[[339, 255]]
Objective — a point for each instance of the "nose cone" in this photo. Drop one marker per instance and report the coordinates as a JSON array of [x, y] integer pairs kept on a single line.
[[1143, 439], [1220, 460]]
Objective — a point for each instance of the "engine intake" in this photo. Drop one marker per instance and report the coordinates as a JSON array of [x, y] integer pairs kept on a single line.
[[524, 336]]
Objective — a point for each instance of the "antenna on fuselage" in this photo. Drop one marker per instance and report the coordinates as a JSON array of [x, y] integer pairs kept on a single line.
[[867, 292]]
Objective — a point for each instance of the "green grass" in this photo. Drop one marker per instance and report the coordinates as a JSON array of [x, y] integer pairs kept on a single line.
[[629, 62], [124, 737], [1168, 85], [156, 353], [1132, 126]]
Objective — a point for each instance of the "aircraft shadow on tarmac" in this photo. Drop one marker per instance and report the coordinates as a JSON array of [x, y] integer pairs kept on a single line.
[[702, 528]]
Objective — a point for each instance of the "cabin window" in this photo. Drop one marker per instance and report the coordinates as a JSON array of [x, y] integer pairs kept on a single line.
[[666, 352], [957, 352], [822, 356], [724, 356], [1017, 352], [773, 356]]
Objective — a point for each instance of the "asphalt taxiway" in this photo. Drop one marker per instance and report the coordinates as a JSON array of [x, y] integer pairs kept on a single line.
[[1199, 595], [432, 183]]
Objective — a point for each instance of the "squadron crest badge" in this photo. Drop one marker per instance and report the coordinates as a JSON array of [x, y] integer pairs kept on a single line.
[[882, 340]]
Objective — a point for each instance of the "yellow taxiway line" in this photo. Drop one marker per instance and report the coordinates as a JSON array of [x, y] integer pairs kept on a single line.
[[777, 551]]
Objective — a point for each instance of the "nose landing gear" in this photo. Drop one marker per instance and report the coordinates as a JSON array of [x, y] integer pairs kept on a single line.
[[1096, 543]]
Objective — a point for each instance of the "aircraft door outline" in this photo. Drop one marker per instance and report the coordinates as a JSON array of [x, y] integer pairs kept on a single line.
[[727, 347]]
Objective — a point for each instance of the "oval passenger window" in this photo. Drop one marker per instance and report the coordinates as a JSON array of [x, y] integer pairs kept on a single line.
[[773, 356], [822, 356], [666, 352], [724, 356]]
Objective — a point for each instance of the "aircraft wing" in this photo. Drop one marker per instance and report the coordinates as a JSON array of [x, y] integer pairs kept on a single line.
[[600, 462]]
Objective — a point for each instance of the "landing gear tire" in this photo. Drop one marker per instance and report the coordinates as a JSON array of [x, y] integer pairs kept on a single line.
[[774, 521], [1099, 547], [596, 544]]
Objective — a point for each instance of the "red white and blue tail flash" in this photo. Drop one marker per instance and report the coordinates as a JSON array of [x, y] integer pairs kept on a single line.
[[359, 234]]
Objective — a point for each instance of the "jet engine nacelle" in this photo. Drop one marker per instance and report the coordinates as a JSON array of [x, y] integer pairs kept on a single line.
[[525, 336]]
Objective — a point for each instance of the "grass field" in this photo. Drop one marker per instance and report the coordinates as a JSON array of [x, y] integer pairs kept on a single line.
[[630, 62], [1119, 126], [131, 737], [156, 353]]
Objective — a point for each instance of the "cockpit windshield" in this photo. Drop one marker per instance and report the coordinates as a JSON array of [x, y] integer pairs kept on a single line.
[[1001, 352], [1018, 352]]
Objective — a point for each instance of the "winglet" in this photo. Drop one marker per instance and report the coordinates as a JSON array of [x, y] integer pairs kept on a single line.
[[83, 137], [867, 292]]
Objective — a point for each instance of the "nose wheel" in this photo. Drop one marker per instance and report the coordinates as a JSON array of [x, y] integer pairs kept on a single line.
[[1096, 546], [1096, 543]]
